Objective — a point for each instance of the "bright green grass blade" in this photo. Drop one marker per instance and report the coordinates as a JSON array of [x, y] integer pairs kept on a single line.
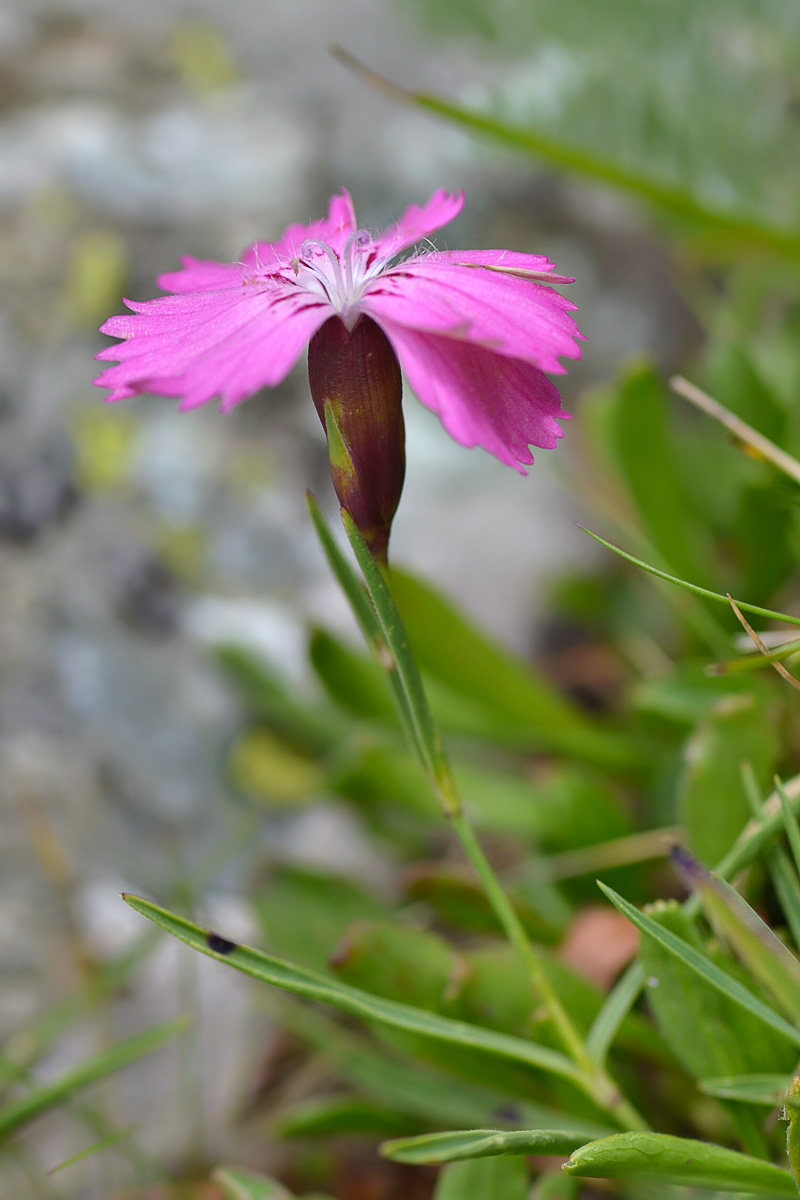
[[692, 587], [312, 986], [481, 1143], [616, 1007], [18, 1112], [403, 668], [237, 1184], [752, 1089], [764, 955], [737, 227], [683, 1161], [708, 970]]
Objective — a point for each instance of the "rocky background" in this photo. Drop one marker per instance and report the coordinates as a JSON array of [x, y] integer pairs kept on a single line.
[[134, 539]]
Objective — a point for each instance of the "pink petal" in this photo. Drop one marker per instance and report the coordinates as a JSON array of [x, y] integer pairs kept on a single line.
[[201, 275], [482, 398], [227, 343], [417, 223], [514, 317]]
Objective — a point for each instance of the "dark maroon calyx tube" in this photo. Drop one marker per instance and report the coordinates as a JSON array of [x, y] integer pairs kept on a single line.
[[357, 390]]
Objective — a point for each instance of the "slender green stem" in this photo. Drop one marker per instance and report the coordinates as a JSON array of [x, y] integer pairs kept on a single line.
[[385, 633], [596, 1083]]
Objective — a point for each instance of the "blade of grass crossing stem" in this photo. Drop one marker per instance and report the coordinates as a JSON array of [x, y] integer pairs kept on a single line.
[[769, 613], [790, 823], [757, 834], [617, 1005], [368, 622], [702, 966], [312, 986], [18, 1112], [404, 669], [783, 874], [755, 662]]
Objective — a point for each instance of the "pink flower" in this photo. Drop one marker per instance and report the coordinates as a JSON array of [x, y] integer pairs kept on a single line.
[[474, 330]]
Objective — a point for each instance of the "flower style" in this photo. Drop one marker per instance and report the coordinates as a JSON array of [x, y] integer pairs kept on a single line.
[[474, 331]]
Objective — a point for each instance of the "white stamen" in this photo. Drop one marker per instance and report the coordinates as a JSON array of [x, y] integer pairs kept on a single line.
[[342, 289]]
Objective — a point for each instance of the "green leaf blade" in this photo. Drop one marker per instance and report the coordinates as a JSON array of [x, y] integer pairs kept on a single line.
[[697, 962], [481, 1143], [683, 1161], [752, 1089], [312, 986], [18, 1112]]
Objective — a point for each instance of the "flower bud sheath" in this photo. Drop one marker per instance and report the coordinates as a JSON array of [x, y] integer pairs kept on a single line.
[[357, 390]]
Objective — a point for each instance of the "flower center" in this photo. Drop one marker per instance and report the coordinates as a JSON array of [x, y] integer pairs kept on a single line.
[[339, 278]]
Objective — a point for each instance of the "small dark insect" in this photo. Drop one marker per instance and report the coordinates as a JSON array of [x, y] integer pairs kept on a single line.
[[218, 944]]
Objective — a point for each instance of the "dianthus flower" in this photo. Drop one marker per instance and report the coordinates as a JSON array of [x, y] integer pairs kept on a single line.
[[474, 330]]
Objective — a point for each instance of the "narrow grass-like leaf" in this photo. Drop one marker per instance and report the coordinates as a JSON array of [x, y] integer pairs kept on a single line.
[[237, 1184], [403, 669], [616, 1007], [752, 1089], [692, 587], [708, 970], [312, 986], [684, 1161], [329, 1115], [761, 952], [481, 1143], [18, 1112], [784, 876], [111, 1139], [740, 228], [754, 662], [787, 886], [789, 823], [760, 832], [368, 622]]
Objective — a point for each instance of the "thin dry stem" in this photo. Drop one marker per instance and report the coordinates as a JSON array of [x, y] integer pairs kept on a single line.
[[739, 428], [779, 667]]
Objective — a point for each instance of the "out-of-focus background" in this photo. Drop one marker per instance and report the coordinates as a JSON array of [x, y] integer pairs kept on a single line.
[[134, 539]]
